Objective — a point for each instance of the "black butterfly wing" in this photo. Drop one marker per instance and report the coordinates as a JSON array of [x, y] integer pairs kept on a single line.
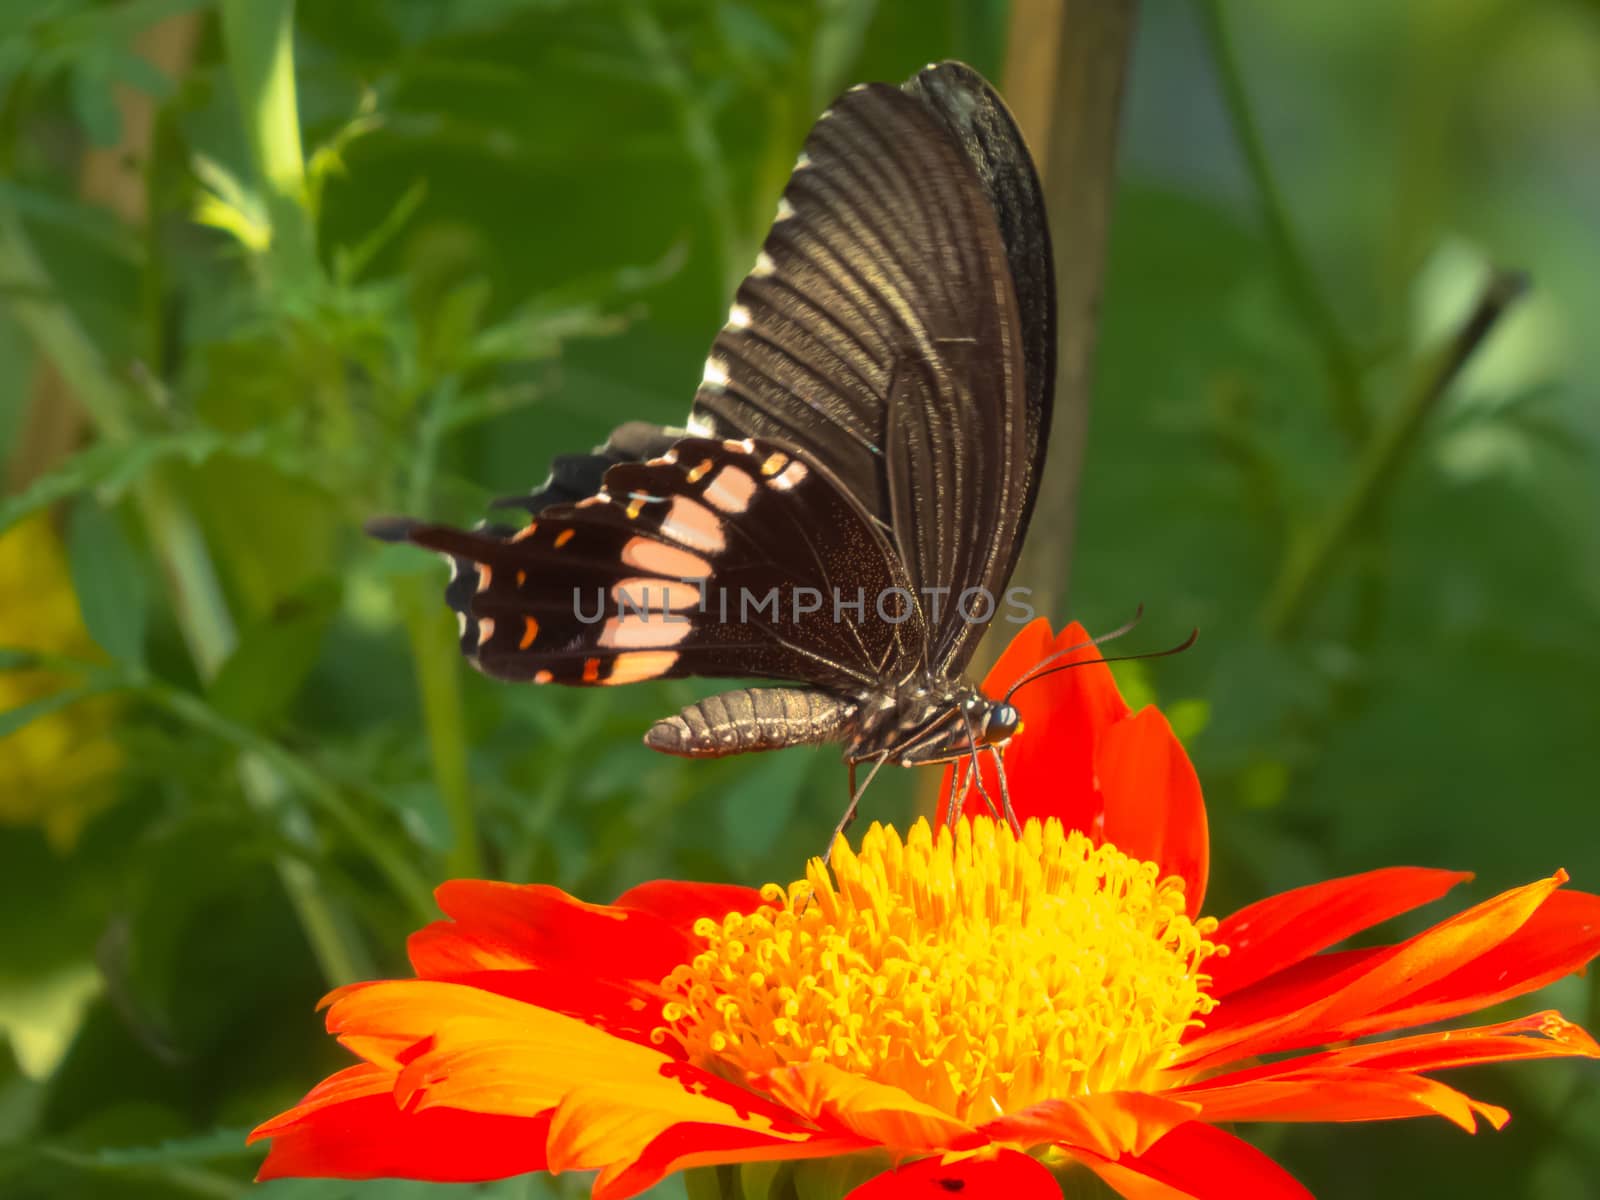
[[718, 558], [880, 333]]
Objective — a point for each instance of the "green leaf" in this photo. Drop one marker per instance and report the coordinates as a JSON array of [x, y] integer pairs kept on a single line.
[[96, 226], [94, 104], [13, 719], [112, 591], [204, 1147], [108, 468], [263, 674]]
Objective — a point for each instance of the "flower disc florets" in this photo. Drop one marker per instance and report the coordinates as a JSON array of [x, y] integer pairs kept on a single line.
[[978, 971]]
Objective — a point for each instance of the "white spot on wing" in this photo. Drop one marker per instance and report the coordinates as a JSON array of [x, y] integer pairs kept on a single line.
[[764, 265], [699, 426], [668, 561], [641, 664], [804, 161], [785, 209], [792, 476], [715, 374], [485, 629], [695, 525], [648, 594], [636, 631], [738, 317], [730, 490]]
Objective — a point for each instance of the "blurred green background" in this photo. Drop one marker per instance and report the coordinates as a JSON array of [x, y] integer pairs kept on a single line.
[[237, 746]]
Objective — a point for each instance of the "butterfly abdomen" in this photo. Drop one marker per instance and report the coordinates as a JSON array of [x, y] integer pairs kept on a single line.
[[749, 719]]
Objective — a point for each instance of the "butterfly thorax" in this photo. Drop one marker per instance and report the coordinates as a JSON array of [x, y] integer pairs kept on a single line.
[[927, 721]]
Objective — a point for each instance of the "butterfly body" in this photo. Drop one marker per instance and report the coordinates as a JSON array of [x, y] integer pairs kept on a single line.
[[924, 721], [864, 450]]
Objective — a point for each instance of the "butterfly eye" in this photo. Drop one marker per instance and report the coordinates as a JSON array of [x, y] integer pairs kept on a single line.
[[1004, 722]]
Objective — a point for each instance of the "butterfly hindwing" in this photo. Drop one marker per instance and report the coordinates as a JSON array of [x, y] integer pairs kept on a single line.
[[718, 558]]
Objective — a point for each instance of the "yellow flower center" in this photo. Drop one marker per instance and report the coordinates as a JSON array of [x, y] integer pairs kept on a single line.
[[979, 972]]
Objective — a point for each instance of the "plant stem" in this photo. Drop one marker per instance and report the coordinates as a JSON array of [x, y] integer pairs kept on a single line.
[[1316, 313], [1307, 566], [258, 36], [438, 671], [1066, 71], [434, 657]]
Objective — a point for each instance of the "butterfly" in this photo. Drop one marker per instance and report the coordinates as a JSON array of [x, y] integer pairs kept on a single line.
[[844, 509]]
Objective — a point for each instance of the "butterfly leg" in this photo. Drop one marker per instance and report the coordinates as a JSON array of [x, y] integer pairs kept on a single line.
[[855, 802], [1005, 792], [977, 774], [958, 803]]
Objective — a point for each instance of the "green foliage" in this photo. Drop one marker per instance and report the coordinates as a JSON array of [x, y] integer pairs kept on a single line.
[[456, 239]]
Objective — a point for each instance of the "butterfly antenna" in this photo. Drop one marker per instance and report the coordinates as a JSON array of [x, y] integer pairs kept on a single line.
[[1038, 668], [977, 773], [1194, 636]]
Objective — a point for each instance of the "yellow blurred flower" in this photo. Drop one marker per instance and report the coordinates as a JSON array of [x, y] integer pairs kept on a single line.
[[58, 770]]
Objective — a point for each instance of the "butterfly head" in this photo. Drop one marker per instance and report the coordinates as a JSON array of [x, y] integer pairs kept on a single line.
[[923, 726]]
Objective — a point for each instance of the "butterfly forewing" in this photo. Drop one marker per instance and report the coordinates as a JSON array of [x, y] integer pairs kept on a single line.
[[879, 334], [720, 558]]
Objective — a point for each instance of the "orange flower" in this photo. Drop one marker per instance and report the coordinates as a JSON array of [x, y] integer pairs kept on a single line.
[[974, 1006]]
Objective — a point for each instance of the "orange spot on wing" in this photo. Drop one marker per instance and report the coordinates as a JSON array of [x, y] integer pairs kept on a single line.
[[526, 531], [591, 670], [565, 536], [530, 630]]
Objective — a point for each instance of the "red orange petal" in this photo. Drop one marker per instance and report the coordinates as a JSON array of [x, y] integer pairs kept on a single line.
[[349, 1127], [613, 1123], [1559, 938], [875, 1112], [684, 1147], [1540, 1035], [1109, 1124], [1006, 1175], [682, 904], [1028, 648], [1197, 1161], [1153, 807], [1372, 992], [505, 926], [627, 1009], [1280, 931], [1340, 1094]]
